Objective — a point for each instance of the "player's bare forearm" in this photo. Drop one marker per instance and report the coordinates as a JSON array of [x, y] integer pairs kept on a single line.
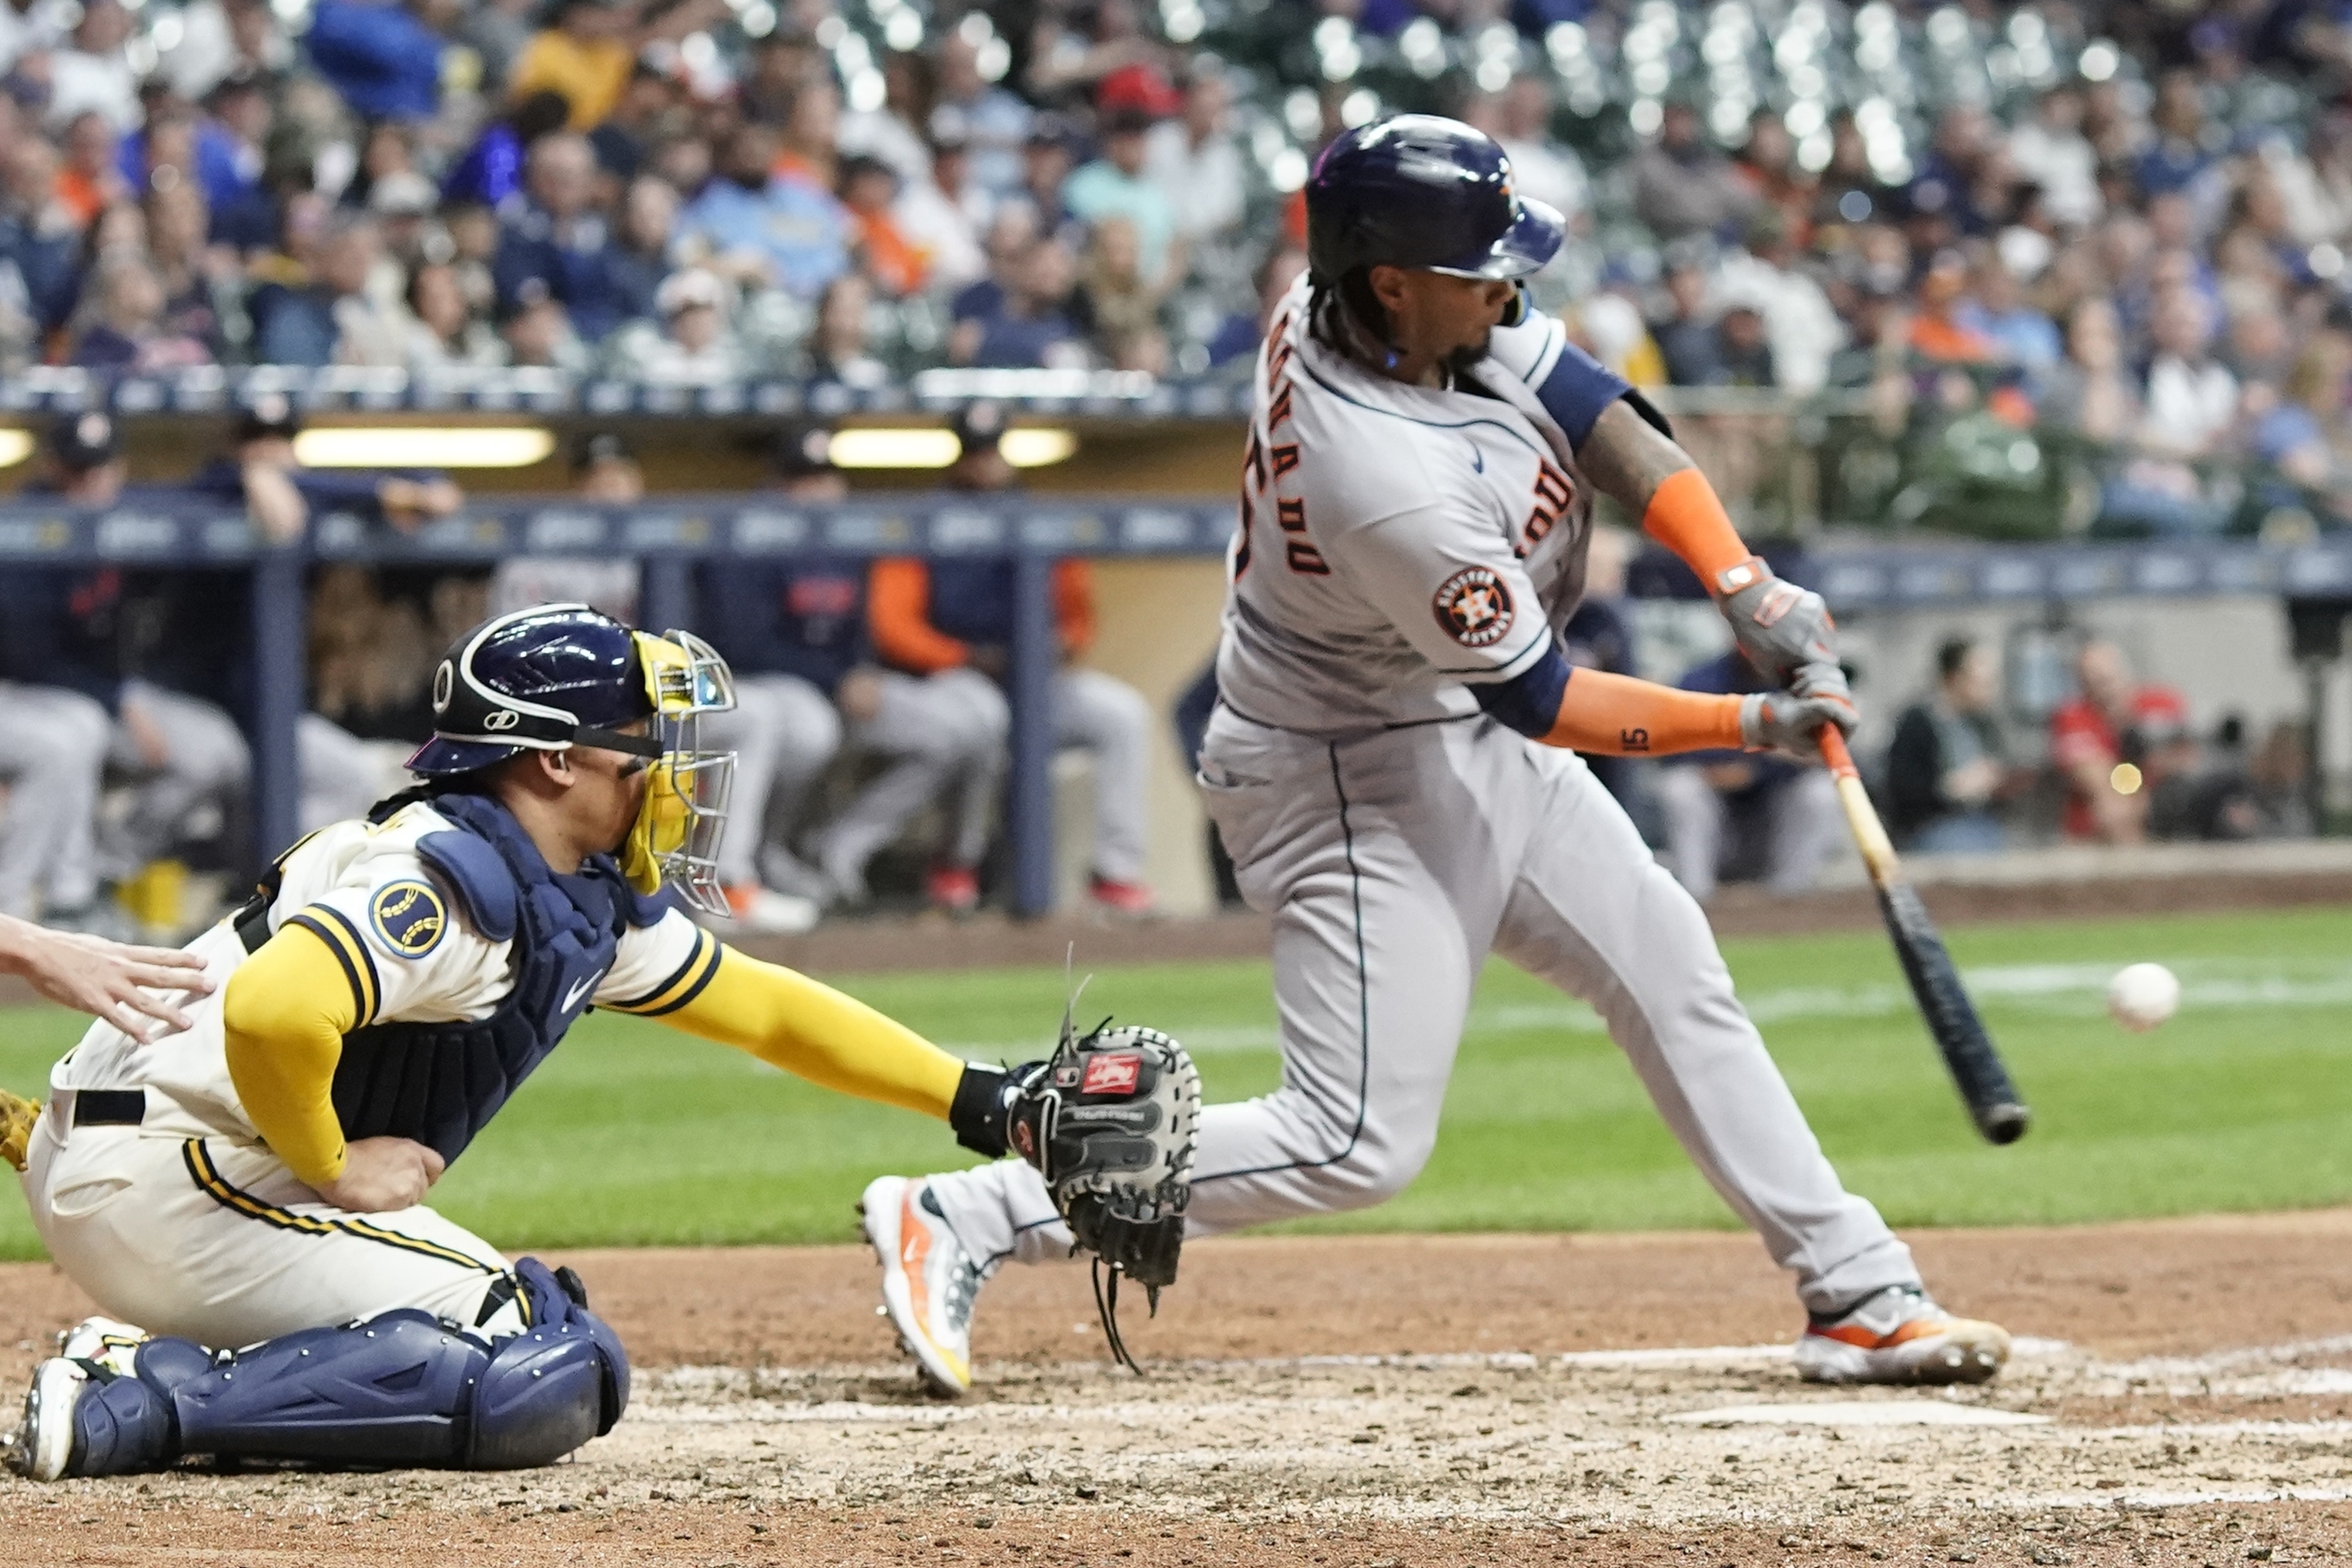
[[125, 985], [1647, 472], [1619, 716]]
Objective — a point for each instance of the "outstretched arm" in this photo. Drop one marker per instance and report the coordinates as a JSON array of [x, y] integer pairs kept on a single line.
[[116, 982], [814, 1032]]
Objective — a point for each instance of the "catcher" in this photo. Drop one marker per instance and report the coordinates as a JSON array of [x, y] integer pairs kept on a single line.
[[249, 1194]]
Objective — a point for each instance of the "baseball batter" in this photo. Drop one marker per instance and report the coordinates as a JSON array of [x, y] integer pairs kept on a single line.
[[1391, 766], [245, 1199]]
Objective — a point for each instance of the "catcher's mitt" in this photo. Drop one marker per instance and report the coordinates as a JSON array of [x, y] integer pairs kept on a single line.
[[1110, 1122], [17, 1116]]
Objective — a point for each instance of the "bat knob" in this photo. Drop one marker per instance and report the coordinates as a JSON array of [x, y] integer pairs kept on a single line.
[[2004, 1124]]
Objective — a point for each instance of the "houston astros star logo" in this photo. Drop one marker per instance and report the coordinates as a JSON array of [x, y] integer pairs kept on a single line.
[[1475, 607]]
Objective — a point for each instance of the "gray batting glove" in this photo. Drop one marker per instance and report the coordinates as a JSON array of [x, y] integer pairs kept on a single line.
[[1789, 722], [1777, 625]]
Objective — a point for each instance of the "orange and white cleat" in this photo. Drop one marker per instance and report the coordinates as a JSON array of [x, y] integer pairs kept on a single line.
[[1900, 1335], [928, 1281]]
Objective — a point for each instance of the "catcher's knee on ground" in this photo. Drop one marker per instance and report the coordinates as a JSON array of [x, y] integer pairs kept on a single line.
[[404, 1388]]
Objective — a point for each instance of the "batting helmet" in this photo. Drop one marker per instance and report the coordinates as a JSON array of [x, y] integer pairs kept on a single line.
[[1421, 191]]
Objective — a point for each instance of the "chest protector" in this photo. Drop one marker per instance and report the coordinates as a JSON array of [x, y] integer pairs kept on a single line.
[[440, 1084]]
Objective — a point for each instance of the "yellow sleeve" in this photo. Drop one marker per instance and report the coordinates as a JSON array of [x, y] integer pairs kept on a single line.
[[808, 1029], [283, 1019]]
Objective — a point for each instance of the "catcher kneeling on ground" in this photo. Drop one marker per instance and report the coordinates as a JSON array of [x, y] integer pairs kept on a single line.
[[249, 1193]]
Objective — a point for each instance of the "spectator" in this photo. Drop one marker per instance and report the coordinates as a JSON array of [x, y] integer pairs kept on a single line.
[[1996, 311], [1733, 816], [2294, 436], [499, 31], [1046, 161], [1195, 160], [808, 149], [1742, 347], [1686, 333], [1116, 185], [641, 257], [92, 74], [753, 224], [694, 345], [241, 210], [381, 58], [1541, 165], [1029, 326], [560, 241], [1681, 186], [2115, 742], [952, 615], [971, 111], [444, 334], [124, 331], [2051, 149], [2189, 408], [32, 28], [1945, 772], [491, 170], [332, 318], [538, 336], [585, 54], [90, 179], [1797, 316], [1124, 309], [221, 40], [943, 217], [838, 347], [38, 233], [869, 188], [2092, 394], [626, 139], [2177, 159], [197, 284], [1939, 332]]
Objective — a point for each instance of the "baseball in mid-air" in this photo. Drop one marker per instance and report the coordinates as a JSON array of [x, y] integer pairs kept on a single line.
[[2143, 996]]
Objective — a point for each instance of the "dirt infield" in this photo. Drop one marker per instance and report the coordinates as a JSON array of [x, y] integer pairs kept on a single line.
[[2183, 1393]]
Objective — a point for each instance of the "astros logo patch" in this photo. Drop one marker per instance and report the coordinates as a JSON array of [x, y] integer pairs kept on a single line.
[[408, 916], [1475, 607]]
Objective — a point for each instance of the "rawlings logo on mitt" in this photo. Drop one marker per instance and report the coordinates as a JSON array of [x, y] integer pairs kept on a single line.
[[1110, 1122]]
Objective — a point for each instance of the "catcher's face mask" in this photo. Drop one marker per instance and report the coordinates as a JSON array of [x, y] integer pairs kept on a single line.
[[677, 834]]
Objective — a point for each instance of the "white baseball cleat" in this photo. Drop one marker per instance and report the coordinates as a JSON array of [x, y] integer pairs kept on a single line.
[[928, 1281], [40, 1447], [1900, 1335], [102, 1342]]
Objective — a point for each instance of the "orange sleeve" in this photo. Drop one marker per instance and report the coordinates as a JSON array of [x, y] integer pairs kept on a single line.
[[1073, 605], [1686, 517], [1618, 716], [897, 613]]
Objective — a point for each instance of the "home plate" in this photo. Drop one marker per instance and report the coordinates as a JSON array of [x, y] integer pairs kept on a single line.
[[1861, 1412]]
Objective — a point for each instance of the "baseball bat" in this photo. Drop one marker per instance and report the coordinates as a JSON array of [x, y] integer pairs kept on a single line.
[[1998, 1110]]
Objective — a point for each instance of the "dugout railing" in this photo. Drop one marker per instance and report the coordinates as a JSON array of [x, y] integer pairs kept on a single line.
[[671, 535]]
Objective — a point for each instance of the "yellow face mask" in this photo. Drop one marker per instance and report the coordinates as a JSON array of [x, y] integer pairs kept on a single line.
[[679, 824]]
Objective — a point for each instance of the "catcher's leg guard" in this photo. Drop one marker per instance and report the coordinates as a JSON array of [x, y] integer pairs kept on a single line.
[[404, 1388]]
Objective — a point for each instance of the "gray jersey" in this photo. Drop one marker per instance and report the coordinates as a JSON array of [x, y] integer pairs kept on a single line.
[[1398, 543]]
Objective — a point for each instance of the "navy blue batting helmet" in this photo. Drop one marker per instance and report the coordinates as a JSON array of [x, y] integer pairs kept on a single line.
[[543, 679], [1421, 191]]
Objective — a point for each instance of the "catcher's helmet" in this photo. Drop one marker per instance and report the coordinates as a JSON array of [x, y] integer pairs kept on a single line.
[[536, 679], [1421, 191]]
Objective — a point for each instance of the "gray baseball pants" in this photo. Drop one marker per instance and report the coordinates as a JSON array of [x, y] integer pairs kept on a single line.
[[1392, 864], [52, 753], [942, 732], [783, 732]]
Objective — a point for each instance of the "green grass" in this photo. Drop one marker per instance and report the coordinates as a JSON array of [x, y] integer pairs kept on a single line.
[[635, 1134]]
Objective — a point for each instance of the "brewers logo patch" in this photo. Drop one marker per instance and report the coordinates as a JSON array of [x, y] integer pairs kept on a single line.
[[1475, 607], [408, 916]]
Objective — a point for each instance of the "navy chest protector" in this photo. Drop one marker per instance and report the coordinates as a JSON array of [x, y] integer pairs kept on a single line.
[[440, 1084]]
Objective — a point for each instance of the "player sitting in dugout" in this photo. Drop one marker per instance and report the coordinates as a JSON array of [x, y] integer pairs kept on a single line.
[[257, 1184], [927, 617]]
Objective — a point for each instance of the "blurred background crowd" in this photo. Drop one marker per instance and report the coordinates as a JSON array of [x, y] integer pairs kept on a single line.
[[2044, 270]]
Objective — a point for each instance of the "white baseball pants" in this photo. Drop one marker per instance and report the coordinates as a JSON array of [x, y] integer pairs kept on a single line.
[[184, 1231], [1392, 864]]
